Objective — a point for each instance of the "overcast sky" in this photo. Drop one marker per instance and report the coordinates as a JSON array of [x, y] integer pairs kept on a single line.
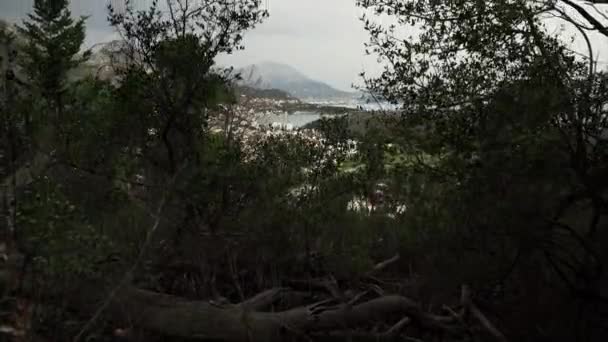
[[322, 38]]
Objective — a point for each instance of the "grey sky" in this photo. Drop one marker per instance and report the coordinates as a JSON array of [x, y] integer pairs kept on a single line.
[[322, 38], [97, 25]]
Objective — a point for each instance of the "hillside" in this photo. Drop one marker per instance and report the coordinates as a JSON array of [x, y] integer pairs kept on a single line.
[[270, 75]]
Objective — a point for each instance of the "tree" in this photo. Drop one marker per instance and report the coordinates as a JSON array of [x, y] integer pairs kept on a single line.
[[169, 209], [36, 86], [53, 49], [169, 58], [511, 126]]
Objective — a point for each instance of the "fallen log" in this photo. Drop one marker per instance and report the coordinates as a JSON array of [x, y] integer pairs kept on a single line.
[[174, 316]]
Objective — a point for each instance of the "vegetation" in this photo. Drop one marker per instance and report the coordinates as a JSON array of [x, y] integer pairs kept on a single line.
[[146, 206], [275, 94]]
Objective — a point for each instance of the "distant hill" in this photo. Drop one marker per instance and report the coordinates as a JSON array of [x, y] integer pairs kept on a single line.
[[269, 75], [273, 94]]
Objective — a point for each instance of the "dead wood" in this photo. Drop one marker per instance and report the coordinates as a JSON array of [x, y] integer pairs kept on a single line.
[[174, 316]]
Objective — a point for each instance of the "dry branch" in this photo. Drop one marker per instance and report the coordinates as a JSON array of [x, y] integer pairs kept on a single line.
[[264, 300], [382, 265], [485, 322], [395, 329]]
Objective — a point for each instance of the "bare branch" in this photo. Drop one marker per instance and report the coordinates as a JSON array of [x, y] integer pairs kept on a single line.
[[264, 300], [395, 329], [597, 25], [382, 265], [487, 324]]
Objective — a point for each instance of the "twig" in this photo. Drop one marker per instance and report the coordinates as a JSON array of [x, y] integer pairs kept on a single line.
[[321, 306], [486, 323], [334, 289], [382, 265], [357, 297], [412, 339], [395, 329], [235, 278]]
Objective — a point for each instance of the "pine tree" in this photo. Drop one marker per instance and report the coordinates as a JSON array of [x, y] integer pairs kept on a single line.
[[54, 42]]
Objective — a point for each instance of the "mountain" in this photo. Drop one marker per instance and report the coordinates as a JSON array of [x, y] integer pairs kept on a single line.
[[270, 75]]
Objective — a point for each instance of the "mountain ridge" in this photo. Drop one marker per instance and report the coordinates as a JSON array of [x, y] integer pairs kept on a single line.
[[269, 75]]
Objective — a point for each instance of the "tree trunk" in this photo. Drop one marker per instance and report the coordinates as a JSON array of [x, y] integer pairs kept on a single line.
[[173, 316]]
